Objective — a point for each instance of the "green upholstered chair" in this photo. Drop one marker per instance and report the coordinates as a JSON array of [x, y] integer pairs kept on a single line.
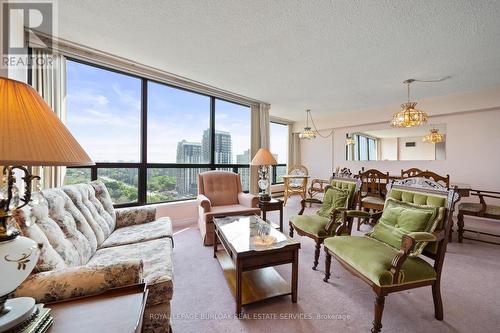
[[340, 194], [414, 223]]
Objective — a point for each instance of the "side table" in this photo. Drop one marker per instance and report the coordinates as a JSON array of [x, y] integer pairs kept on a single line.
[[273, 204], [115, 310]]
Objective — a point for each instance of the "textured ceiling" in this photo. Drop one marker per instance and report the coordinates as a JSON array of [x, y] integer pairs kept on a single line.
[[330, 56]]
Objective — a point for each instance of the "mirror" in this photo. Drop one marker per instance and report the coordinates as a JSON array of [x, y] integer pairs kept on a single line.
[[395, 144]]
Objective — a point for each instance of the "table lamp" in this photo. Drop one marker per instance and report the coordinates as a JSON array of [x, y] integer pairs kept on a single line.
[[263, 159], [30, 135]]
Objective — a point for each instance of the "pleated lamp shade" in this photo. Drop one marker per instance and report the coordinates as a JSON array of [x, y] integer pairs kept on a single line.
[[263, 157], [30, 132]]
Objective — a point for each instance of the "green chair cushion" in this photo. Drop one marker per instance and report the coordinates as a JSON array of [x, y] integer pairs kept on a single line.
[[346, 185], [373, 260], [373, 200], [311, 224], [418, 198], [333, 198], [401, 218]]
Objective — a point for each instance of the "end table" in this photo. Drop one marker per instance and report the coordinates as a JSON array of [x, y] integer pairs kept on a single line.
[[273, 204]]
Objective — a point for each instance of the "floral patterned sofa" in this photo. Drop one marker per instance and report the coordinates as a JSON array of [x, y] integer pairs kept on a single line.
[[88, 247]]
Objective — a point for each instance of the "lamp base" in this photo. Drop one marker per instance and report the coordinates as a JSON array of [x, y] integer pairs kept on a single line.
[[16, 311], [264, 197]]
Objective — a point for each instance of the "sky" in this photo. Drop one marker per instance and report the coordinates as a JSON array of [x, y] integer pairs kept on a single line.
[[103, 113]]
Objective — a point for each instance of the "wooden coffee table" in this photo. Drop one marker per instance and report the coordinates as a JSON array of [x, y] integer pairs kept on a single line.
[[247, 259]]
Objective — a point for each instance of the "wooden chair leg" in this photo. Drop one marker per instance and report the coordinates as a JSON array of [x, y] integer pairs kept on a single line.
[[328, 261], [438, 302], [291, 230], [460, 223], [450, 235], [379, 309], [316, 254]]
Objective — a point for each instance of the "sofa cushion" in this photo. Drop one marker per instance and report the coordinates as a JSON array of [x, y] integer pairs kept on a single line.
[[160, 228], [101, 221], [373, 260], [157, 258], [333, 198], [231, 210]]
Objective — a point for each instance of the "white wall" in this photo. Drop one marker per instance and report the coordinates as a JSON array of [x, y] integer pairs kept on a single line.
[[421, 151], [317, 156], [388, 149]]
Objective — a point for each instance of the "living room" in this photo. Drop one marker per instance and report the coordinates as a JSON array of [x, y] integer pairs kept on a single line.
[[235, 166]]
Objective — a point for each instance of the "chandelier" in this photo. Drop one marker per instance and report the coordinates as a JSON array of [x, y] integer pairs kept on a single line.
[[434, 136], [309, 133], [409, 116], [350, 141]]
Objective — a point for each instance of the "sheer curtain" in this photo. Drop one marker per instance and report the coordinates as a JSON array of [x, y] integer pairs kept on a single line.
[[50, 82], [293, 147], [260, 139]]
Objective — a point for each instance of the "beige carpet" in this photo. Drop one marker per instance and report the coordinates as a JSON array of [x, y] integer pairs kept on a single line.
[[202, 301]]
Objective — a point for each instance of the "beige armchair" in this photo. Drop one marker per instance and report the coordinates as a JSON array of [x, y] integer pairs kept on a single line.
[[220, 194]]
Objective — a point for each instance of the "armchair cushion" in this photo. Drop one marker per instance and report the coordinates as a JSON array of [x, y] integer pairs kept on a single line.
[[80, 281], [160, 228], [373, 200], [373, 260], [334, 198], [248, 200], [401, 218], [476, 208], [311, 224]]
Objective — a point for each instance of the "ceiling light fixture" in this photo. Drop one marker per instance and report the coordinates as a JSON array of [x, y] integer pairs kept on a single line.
[[308, 133], [434, 136], [410, 116]]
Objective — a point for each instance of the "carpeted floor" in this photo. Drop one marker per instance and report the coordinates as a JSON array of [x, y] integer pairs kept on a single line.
[[202, 301]]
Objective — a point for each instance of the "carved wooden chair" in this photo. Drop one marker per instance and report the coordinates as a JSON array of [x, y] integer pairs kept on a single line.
[[297, 183], [373, 191], [480, 209], [340, 194], [318, 185], [415, 223], [411, 172]]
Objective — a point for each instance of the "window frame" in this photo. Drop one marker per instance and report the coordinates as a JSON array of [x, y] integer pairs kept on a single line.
[[275, 167], [142, 166]]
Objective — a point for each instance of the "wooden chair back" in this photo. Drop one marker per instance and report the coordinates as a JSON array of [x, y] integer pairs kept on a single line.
[[297, 170], [428, 187], [411, 172], [374, 183]]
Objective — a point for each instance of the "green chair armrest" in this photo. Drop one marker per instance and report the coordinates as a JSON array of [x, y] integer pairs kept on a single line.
[[422, 236], [358, 213]]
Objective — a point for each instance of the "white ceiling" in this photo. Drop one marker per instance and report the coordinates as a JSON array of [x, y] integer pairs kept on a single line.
[[330, 56]]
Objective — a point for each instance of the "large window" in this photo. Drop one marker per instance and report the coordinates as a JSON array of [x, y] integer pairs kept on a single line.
[[365, 148], [278, 145], [151, 140]]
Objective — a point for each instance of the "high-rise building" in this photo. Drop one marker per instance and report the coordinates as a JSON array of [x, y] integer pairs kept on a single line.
[[244, 172], [223, 147], [187, 153]]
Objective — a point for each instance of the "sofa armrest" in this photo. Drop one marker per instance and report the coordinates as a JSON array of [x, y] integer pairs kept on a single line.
[[204, 203], [134, 215], [79, 281], [248, 200]]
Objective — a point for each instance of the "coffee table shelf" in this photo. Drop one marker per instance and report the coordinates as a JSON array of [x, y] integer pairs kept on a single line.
[[247, 260], [257, 285]]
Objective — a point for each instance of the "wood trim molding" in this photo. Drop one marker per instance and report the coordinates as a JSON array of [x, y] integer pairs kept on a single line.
[[98, 57]]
